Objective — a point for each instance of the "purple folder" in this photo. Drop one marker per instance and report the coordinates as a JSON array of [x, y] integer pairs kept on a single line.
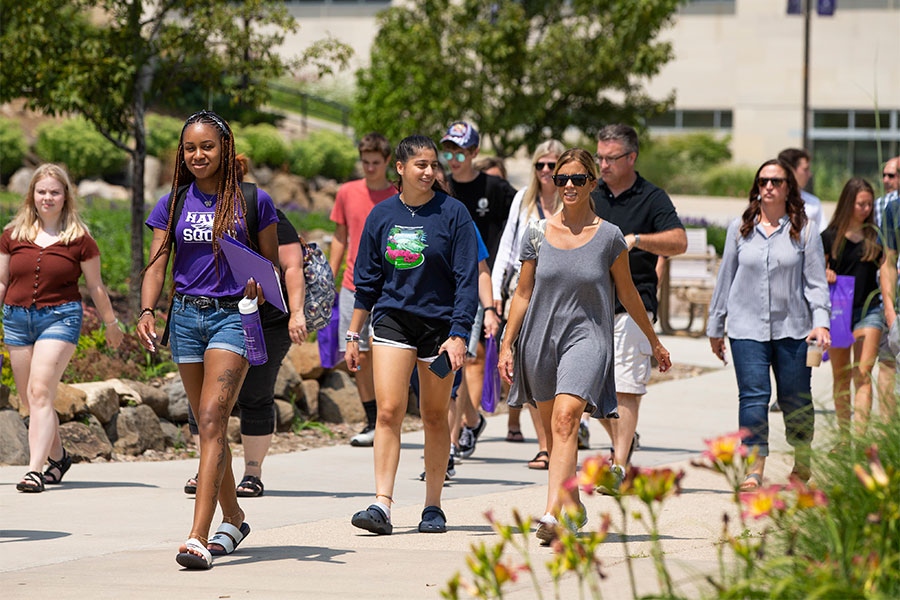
[[245, 263], [842, 311]]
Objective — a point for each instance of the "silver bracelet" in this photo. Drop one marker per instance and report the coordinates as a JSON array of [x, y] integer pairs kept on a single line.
[[114, 322]]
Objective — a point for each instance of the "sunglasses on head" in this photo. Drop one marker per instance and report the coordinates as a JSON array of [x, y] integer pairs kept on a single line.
[[889, 175], [577, 180], [539, 166], [460, 156], [775, 181]]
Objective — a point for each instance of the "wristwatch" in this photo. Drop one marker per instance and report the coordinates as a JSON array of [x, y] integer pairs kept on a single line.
[[637, 239]]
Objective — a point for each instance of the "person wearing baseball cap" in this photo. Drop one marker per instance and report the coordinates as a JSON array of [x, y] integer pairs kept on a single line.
[[488, 199]]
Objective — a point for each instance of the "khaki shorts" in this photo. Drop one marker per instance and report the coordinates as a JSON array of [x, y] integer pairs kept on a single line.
[[632, 357]]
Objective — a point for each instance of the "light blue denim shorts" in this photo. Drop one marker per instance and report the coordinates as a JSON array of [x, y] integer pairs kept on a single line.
[[195, 329], [24, 326]]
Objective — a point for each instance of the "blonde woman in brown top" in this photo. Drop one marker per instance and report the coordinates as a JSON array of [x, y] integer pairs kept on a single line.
[[43, 252]]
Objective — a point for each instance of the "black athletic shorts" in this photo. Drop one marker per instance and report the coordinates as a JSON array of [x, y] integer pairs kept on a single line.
[[400, 329]]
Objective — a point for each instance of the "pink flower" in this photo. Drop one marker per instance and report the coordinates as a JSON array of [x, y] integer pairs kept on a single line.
[[763, 502], [725, 448]]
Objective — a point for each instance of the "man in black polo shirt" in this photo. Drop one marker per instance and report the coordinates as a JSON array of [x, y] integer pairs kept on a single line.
[[651, 226]]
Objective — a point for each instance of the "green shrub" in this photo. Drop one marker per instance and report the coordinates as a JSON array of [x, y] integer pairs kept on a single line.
[[13, 145], [728, 180], [266, 146], [677, 163], [163, 134], [325, 153], [76, 144]]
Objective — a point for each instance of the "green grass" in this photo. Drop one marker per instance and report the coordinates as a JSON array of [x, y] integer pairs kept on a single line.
[[309, 221], [290, 98]]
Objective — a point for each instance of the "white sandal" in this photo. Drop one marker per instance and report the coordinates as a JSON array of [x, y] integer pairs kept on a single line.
[[229, 537], [190, 560]]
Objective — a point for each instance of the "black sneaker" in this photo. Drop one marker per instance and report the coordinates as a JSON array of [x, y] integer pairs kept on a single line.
[[469, 436], [451, 471]]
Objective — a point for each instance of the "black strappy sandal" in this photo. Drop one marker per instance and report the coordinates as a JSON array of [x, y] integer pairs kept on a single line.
[[62, 465], [32, 483]]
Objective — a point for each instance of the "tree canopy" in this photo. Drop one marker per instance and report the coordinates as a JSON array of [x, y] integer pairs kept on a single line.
[[521, 70], [108, 60]]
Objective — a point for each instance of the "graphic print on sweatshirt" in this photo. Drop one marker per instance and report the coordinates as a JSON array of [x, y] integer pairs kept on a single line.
[[406, 247], [197, 227]]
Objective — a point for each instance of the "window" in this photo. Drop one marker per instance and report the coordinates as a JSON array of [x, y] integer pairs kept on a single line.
[[846, 141], [692, 119], [709, 7]]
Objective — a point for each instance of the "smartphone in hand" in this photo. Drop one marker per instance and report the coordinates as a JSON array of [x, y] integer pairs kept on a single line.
[[441, 365]]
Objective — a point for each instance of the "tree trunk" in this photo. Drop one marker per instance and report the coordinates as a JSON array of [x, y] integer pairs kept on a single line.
[[137, 213]]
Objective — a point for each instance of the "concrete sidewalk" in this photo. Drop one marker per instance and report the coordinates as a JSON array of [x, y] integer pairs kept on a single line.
[[112, 530]]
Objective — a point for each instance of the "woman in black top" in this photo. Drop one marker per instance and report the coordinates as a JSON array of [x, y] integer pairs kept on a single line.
[[852, 248]]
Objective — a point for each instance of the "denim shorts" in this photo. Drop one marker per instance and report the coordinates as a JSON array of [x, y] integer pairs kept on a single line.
[[195, 330], [872, 318], [24, 326]]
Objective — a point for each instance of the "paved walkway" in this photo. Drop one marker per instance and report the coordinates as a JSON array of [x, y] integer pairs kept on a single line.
[[111, 530]]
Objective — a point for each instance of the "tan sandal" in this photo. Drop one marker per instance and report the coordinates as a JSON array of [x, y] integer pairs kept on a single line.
[[752, 482]]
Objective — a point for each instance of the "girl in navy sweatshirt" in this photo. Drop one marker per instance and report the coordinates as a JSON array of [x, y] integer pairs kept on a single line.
[[416, 273]]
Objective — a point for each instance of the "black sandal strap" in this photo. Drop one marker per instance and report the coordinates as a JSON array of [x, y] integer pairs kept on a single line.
[[58, 464]]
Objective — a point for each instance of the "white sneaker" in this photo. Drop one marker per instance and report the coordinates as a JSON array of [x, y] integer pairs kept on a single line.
[[366, 437]]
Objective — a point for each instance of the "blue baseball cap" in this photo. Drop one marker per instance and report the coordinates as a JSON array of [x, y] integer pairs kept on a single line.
[[462, 134]]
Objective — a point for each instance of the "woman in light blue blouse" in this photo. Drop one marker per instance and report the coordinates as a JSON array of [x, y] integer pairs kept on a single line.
[[771, 286]]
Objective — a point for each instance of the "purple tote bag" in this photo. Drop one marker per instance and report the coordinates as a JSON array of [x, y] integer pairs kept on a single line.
[[329, 348], [842, 311], [490, 393]]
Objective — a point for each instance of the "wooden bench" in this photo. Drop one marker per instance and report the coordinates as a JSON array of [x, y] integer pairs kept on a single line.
[[690, 277]]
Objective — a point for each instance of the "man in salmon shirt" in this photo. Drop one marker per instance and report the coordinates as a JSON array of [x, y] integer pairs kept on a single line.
[[352, 205]]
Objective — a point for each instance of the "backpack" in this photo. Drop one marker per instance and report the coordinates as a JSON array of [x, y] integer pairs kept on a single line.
[[320, 289]]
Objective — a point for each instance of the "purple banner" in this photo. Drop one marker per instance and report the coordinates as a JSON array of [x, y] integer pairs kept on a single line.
[[490, 392], [842, 311], [825, 8], [795, 7]]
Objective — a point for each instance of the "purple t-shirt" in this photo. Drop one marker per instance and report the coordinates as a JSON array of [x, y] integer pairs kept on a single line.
[[195, 265]]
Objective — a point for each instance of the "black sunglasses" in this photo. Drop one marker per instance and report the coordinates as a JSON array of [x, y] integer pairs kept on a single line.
[[577, 180], [539, 166], [888, 175], [775, 181]]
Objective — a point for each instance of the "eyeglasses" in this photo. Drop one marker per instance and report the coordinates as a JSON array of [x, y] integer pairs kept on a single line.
[[889, 175], [539, 166], [775, 181], [610, 160], [460, 156], [577, 180]]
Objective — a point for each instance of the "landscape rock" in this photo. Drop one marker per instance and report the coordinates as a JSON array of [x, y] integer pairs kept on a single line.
[[20, 180], [310, 400], [96, 188], [178, 402], [321, 202], [287, 189], [339, 400], [288, 384], [263, 175], [234, 430], [98, 428], [4, 397], [152, 173], [154, 397], [171, 432], [101, 399], [136, 430], [69, 401], [305, 359], [83, 442], [13, 439], [285, 415], [319, 237]]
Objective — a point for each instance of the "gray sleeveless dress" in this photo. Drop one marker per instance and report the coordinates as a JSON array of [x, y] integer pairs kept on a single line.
[[565, 345]]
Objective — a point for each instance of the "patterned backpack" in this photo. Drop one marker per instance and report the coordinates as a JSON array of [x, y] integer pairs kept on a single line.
[[319, 287]]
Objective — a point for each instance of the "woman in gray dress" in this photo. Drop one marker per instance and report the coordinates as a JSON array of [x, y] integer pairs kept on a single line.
[[563, 308]]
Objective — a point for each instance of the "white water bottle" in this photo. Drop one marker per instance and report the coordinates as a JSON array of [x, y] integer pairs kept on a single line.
[[253, 331]]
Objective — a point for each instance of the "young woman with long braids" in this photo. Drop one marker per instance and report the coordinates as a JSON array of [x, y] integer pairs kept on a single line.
[[561, 325], [206, 338], [416, 272], [851, 248], [43, 252], [771, 288]]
